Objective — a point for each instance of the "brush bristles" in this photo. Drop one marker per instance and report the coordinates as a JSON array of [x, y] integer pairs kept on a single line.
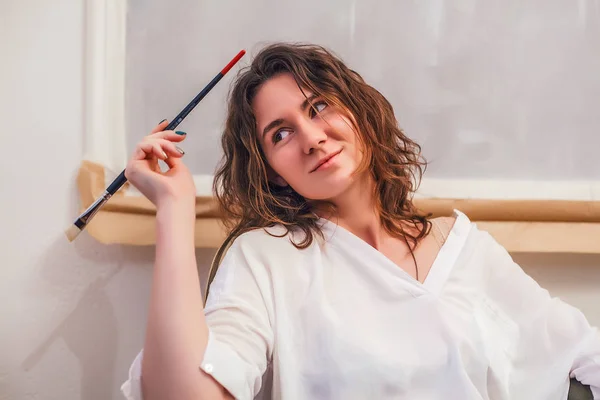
[[72, 232]]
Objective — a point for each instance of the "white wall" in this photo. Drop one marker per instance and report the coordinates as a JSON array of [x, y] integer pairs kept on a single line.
[[573, 278], [72, 316]]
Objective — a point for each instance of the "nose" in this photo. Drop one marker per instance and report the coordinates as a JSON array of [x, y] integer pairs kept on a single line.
[[313, 137]]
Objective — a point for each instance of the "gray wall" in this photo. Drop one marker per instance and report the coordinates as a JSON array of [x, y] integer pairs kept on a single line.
[[497, 89]]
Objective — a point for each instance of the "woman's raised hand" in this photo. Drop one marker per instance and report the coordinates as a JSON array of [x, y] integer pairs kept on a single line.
[[143, 170]]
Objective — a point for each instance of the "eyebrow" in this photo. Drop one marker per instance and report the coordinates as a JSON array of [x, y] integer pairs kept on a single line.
[[279, 121]]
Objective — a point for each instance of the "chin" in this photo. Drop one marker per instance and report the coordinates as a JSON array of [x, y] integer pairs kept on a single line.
[[329, 189]]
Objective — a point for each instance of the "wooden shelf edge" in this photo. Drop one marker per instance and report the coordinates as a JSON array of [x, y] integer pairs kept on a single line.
[[545, 237], [516, 237], [140, 230]]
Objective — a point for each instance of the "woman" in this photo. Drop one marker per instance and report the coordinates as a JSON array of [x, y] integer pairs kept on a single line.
[[334, 286]]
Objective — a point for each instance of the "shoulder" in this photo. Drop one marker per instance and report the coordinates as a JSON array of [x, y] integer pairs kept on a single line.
[[460, 229], [472, 237], [264, 245], [442, 226], [250, 254], [261, 239]]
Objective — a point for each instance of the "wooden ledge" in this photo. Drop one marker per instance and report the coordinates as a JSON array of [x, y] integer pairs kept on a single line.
[[538, 226]]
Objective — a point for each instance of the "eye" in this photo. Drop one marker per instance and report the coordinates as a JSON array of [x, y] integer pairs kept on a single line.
[[319, 106], [280, 134]]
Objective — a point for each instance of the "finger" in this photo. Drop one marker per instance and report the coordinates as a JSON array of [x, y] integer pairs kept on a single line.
[[171, 149], [147, 149], [159, 152], [144, 154], [161, 126], [173, 136], [161, 148], [173, 152], [140, 151], [172, 162]]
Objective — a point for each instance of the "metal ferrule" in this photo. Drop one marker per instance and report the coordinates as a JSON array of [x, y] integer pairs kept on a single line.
[[88, 214]]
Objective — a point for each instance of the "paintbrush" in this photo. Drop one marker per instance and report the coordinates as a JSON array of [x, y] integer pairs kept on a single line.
[[84, 219]]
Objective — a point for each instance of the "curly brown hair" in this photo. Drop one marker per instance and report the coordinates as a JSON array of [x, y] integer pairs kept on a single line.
[[249, 200]]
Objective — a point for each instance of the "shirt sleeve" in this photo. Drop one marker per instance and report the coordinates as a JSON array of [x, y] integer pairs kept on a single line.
[[132, 387], [554, 340], [240, 339], [239, 316]]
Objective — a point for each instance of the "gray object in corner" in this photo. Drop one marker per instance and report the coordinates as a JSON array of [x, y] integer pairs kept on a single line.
[[579, 391]]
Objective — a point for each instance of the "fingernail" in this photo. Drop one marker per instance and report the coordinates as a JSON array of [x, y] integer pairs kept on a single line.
[[179, 149], [165, 155], [162, 121], [180, 133]]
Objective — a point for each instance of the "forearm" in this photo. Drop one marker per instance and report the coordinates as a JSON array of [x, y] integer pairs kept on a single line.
[[176, 334]]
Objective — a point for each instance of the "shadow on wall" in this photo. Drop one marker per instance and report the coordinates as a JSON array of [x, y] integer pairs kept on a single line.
[[75, 276], [90, 329], [204, 258]]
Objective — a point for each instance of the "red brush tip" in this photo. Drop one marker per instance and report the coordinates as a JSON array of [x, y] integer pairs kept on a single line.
[[232, 62]]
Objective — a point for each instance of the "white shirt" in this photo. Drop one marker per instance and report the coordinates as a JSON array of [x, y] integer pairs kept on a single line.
[[339, 320]]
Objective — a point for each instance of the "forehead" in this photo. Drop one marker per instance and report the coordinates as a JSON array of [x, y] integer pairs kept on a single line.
[[277, 96]]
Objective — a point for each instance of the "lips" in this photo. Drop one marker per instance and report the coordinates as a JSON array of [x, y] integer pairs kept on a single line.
[[325, 159]]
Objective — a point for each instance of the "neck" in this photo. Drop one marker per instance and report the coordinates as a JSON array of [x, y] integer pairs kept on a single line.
[[356, 212]]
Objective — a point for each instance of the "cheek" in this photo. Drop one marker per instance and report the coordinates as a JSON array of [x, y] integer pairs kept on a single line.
[[345, 130], [286, 164], [343, 127]]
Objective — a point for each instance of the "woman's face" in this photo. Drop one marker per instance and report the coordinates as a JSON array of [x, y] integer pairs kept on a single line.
[[315, 154]]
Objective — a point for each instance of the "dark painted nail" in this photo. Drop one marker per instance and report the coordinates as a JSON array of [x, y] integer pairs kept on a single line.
[[180, 133], [162, 121]]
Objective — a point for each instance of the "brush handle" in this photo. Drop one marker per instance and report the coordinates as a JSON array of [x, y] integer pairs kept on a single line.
[[117, 183], [121, 179], [173, 124]]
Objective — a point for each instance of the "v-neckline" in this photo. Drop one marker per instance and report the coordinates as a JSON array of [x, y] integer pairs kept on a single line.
[[442, 263]]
